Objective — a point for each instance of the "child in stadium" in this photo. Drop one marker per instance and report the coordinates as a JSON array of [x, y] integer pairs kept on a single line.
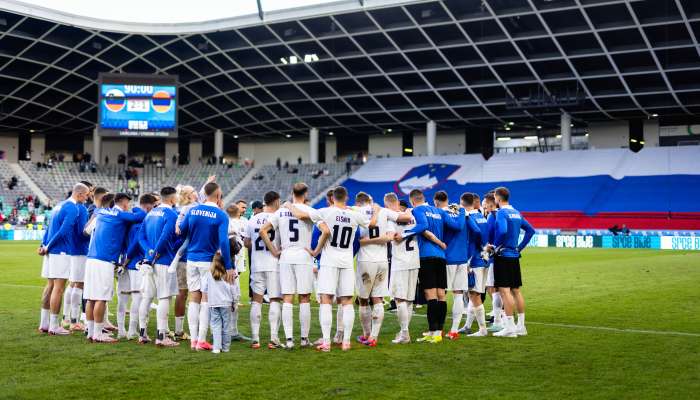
[[220, 294]]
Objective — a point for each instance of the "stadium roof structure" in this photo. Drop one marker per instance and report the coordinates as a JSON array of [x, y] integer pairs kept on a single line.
[[354, 66]]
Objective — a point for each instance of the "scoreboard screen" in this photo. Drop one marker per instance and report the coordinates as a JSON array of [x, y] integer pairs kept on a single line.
[[144, 106]]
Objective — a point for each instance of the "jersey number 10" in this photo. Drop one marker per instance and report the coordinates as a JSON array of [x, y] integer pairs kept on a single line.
[[345, 237]]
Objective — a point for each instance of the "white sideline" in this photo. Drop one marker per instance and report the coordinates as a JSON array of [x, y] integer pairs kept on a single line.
[[553, 324]]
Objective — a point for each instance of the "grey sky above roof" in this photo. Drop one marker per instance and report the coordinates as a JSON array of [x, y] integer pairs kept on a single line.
[[364, 70]]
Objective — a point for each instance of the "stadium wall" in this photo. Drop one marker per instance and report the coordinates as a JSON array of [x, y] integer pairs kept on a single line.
[[9, 143], [380, 146], [195, 150], [266, 153], [171, 150], [331, 149], [111, 148], [38, 147], [448, 142]]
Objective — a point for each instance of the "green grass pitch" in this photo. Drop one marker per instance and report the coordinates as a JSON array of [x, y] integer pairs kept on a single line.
[[647, 297]]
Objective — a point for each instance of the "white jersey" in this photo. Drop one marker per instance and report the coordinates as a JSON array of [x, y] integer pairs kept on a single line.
[[342, 223], [294, 235], [375, 252], [261, 260], [404, 254], [237, 226]]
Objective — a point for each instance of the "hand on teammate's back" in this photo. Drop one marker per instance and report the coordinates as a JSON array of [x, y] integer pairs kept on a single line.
[[231, 275]]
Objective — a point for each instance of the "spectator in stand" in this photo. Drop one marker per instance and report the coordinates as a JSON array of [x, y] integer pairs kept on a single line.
[[299, 160], [278, 163]]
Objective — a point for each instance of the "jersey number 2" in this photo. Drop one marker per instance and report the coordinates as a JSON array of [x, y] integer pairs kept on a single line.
[[259, 244]]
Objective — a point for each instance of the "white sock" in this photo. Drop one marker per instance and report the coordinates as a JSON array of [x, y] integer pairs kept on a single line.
[[510, 323], [67, 295], [480, 314], [457, 309], [90, 329], [122, 301], [325, 317], [44, 320], [273, 317], [179, 324], [287, 320], [470, 315], [83, 317], [339, 320], [97, 331], [234, 322], [203, 322], [75, 302], [53, 322], [134, 313], [366, 320], [305, 319], [402, 312], [348, 321], [162, 316], [106, 318], [521, 320], [193, 319], [377, 319], [255, 317], [144, 310]]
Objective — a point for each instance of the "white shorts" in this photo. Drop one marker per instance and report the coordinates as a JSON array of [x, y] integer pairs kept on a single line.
[[372, 279], [196, 270], [59, 266], [296, 278], [336, 281], [480, 277], [160, 284], [403, 284], [130, 281], [457, 277], [77, 268], [266, 281], [489, 276], [99, 280], [45, 267]]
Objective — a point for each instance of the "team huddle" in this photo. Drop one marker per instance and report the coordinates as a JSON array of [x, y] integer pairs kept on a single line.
[[185, 245]]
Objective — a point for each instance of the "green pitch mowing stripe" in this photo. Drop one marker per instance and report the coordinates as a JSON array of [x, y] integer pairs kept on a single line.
[[595, 317]]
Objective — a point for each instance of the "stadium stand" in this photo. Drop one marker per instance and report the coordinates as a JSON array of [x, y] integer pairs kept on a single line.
[[8, 195], [154, 178], [57, 181], [280, 180], [591, 189]]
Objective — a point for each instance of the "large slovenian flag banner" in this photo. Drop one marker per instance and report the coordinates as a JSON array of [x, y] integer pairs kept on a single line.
[[577, 189]]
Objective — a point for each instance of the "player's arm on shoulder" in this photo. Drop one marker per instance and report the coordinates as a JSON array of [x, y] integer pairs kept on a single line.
[[421, 223], [300, 213], [183, 226], [453, 221], [265, 236]]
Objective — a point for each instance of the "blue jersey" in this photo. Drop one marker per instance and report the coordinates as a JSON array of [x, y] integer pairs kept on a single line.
[[491, 227], [509, 222], [157, 235], [110, 232], [477, 239], [434, 220], [62, 228], [133, 251], [81, 242], [456, 241], [206, 227], [45, 238]]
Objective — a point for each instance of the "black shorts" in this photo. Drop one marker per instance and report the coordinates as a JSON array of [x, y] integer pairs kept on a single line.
[[432, 273], [506, 272]]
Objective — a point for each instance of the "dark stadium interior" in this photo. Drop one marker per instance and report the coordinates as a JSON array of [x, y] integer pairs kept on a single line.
[[460, 63]]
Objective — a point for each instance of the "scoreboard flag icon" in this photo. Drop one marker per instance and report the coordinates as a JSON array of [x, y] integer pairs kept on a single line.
[[162, 102], [114, 100]]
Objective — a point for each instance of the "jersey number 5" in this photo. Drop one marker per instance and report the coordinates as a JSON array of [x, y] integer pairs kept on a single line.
[[345, 236], [293, 230]]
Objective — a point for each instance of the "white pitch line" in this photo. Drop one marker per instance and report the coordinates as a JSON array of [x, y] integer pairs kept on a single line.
[[553, 324], [620, 330]]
